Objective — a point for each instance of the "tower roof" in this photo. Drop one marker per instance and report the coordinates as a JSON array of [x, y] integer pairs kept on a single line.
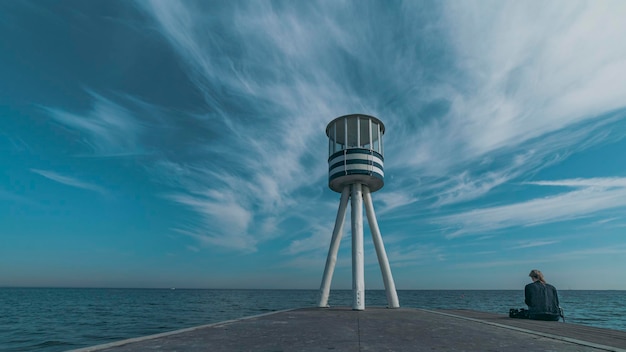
[[376, 120]]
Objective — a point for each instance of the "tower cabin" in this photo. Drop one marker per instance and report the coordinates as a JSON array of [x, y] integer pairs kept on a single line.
[[355, 149]]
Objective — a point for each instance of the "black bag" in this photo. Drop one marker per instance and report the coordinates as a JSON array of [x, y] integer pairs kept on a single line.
[[518, 313]]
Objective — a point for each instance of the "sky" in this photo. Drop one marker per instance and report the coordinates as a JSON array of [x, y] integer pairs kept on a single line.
[[182, 143]]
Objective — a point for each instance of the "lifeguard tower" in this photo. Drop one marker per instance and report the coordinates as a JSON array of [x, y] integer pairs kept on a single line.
[[355, 169]]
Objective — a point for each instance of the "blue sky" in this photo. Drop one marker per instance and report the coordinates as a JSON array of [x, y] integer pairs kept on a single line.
[[182, 144]]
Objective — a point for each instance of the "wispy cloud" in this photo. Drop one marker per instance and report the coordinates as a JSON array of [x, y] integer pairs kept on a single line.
[[319, 240], [269, 144], [464, 116], [516, 102], [526, 83], [534, 244], [604, 221], [493, 121], [505, 263], [13, 143], [70, 181], [464, 188], [596, 195], [224, 222], [109, 129], [393, 200], [475, 180], [415, 254], [602, 183], [12, 197], [593, 251]]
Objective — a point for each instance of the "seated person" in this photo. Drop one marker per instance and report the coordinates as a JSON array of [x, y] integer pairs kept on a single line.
[[541, 298]]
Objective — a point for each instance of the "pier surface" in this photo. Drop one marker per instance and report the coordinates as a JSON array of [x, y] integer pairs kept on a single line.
[[378, 329]]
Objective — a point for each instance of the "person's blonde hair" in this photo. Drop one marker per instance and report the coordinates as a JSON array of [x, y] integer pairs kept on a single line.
[[536, 274]]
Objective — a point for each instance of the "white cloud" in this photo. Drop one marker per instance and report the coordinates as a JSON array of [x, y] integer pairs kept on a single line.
[[12, 197], [506, 263], [590, 252], [602, 183], [517, 100], [277, 147], [13, 143], [509, 101], [224, 222], [229, 241], [604, 221], [69, 181], [526, 83], [109, 128], [392, 200], [318, 240], [465, 188], [415, 254], [534, 244], [597, 195]]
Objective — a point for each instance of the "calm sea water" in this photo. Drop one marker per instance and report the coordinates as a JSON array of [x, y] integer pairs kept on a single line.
[[41, 319]]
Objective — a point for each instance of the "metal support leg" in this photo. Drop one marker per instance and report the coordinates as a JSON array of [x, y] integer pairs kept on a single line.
[[331, 259], [358, 276], [390, 286]]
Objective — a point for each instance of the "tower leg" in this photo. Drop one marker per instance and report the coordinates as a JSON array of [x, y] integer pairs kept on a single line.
[[331, 259], [390, 286], [358, 276]]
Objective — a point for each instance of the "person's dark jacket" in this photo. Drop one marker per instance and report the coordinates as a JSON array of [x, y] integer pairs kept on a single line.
[[542, 300]]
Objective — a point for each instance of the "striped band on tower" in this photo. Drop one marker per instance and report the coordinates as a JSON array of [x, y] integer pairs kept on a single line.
[[356, 165]]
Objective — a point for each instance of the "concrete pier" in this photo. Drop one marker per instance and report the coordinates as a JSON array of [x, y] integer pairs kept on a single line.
[[378, 329]]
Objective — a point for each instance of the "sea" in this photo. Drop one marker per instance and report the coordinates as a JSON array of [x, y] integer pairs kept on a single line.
[[61, 319]]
